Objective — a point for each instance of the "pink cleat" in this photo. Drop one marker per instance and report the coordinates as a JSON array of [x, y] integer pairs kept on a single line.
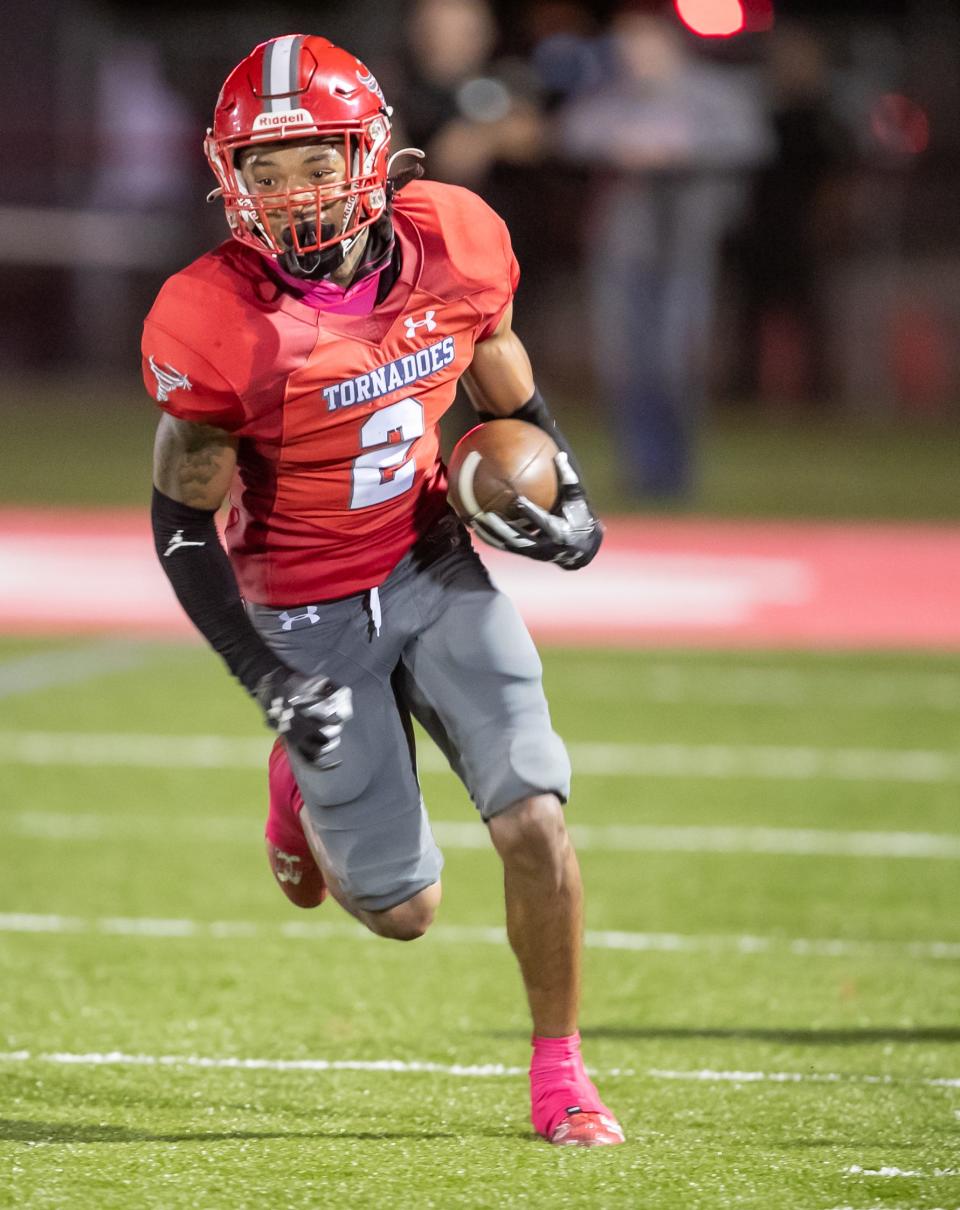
[[292, 863], [565, 1106], [587, 1130]]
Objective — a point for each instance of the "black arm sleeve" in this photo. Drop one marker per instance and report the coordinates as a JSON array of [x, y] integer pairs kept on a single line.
[[197, 566], [535, 411]]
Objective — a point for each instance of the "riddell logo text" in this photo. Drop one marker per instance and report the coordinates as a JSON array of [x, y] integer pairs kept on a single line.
[[293, 117]]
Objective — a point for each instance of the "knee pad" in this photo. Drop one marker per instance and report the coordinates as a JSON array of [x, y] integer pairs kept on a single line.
[[535, 762]]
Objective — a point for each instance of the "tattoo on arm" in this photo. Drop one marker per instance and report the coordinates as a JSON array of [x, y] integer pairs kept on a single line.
[[193, 463]]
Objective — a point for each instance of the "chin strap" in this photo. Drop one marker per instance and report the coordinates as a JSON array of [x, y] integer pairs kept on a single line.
[[320, 263]]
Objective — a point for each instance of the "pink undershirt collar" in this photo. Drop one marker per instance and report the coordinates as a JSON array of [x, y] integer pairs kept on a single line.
[[359, 298]]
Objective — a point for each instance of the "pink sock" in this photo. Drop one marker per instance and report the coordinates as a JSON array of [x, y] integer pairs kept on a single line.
[[283, 820], [558, 1083]]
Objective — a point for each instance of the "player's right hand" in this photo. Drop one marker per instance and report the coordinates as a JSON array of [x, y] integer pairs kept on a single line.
[[569, 536], [308, 712]]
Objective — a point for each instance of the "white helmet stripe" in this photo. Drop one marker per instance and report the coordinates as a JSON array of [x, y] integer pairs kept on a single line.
[[281, 74]]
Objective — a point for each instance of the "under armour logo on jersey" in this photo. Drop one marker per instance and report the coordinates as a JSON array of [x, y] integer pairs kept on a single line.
[[168, 379], [294, 621], [427, 322], [177, 541]]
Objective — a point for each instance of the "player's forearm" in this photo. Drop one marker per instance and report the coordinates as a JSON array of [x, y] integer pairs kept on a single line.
[[500, 378], [197, 567], [500, 385]]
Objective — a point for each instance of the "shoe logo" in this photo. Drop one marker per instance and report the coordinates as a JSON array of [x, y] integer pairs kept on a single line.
[[168, 379], [427, 322], [287, 868], [297, 621], [177, 541]]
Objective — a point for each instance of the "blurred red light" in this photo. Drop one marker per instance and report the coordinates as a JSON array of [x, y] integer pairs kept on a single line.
[[757, 16], [711, 18], [899, 124]]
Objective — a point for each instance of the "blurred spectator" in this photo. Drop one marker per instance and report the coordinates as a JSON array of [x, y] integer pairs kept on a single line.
[[792, 213], [668, 140], [563, 49], [465, 112], [144, 139]]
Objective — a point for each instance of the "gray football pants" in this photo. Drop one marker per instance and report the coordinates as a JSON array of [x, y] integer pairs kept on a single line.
[[453, 652]]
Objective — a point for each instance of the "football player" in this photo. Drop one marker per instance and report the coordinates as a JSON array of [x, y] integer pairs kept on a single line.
[[303, 367]]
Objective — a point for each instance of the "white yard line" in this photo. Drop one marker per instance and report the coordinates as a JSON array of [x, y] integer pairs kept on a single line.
[[117, 1058], [637, 942], [890, 1171], [60, 826], [766, 762], [843, 689], [70, 666], [710, 1076], [794, 842], [674, 683], [696, 761], [133, 750]]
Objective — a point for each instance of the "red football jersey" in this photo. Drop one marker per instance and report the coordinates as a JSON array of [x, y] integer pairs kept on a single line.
[[339, 469]]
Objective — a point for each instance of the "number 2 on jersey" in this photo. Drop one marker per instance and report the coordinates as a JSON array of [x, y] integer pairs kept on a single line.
[[386, 470]]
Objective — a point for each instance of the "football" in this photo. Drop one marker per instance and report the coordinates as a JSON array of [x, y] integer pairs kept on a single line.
[[496, 462]]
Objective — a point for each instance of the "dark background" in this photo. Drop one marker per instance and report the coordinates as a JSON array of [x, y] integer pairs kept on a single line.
[[102, 117]]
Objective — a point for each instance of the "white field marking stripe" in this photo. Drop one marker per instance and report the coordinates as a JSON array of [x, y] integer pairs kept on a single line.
[[709, 1076], [798, 842], [710, 761], [118, 1058], [473, 1070], [59, 826], [133, 750], [866, 690], [766, 762], [310, 930], [71, 666], [856, 1170]]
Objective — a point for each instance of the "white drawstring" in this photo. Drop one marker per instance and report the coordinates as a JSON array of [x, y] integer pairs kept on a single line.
[[376, 615]]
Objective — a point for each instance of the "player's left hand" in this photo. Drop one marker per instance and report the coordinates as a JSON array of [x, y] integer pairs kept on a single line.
[[569, 536], [307, 711]]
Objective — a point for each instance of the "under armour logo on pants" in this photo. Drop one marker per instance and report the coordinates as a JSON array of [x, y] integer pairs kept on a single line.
[[294, 621]]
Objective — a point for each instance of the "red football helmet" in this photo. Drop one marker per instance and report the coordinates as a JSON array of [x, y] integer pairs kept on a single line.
[[291, 88]]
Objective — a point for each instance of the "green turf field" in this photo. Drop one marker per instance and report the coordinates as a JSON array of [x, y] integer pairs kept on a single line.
[[770, 845]]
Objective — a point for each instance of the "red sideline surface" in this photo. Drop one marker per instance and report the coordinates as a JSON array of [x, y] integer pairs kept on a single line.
[[656, 581]]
